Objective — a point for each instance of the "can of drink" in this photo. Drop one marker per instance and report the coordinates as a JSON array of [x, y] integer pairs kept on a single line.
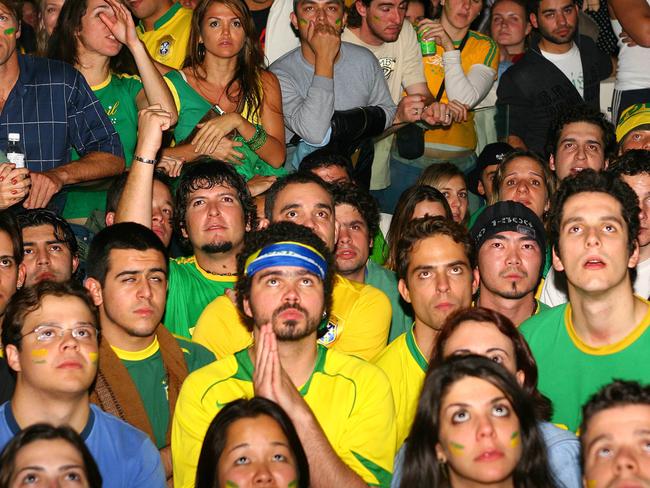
[[428, 48]]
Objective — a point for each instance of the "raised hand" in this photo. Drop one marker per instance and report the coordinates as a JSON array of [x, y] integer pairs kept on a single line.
[[120, 23]]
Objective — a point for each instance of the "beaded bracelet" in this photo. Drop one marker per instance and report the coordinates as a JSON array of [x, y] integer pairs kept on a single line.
[[258, 139]]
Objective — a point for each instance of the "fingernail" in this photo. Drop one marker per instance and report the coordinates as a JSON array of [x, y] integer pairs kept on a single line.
[[2, 178], [13, 192], [13, 182]]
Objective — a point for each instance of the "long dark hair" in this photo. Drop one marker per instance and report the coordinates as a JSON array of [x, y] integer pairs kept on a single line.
[[63, 42], [215, 439], [421, 465], [524, 359], [247, 80], [403, 213], [39, 432]]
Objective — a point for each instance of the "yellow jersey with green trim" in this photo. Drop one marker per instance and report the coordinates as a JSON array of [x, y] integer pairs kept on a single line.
[[168, 41], [350, 398], [405, 366], [358, 323], [570, 371], [190, 288], [480, 49]]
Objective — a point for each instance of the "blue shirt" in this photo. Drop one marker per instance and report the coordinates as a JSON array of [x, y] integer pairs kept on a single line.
[[125, 456], [53, 109]]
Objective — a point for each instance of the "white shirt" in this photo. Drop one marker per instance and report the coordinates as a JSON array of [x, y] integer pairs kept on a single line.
[[570, 64]]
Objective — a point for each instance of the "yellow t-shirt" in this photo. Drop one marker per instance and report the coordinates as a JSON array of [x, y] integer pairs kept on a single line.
[[480, 49], [167, 41], [358, 324], [405, 366], [350, 398]]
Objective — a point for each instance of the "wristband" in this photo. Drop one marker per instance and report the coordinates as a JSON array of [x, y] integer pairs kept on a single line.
[[258, 139], [143, 160]]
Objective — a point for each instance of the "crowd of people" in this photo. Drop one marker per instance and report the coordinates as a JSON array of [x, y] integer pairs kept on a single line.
[[324, 243]]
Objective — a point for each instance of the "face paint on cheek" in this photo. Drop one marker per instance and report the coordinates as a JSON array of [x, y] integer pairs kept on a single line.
[[374, 17], [338, 22], [293, 484], [456, 448], [303, 22], [514, 439], [93, 356], [10, 31], [39, 356], [231, 484], [591, 483]]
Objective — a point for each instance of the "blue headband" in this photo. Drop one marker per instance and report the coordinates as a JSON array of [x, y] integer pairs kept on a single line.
[[287, 254]]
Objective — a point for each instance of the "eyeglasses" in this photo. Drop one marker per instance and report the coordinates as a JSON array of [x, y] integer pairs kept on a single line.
[[52, 333]]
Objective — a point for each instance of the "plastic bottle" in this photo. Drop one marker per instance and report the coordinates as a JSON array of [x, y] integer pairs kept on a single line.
[[15, 151]]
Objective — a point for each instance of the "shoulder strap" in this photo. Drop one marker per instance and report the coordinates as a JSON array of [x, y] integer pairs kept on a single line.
[[441, 90]]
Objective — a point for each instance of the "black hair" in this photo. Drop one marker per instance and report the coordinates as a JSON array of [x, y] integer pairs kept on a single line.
[[205, 173], [324, 158], [9, 226], [30, 298], [297, 178], [425, 227], [366, 205], [46, 432], [114, 192], [62, 230], [15, 8], [217, 436], [619, 393], [632, 163], [422, 466], [279, 232], [589, 180], [403, 213], [533, 6], [63, 43], [582, 113], [125, 235]]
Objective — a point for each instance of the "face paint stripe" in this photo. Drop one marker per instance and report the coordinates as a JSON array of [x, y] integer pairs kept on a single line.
[[514, 439], [10, 31], [39, 353], [93, 356], [456, 447], [231, 484]]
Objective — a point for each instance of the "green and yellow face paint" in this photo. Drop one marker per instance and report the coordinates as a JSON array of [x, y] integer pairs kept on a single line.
[[93, 357], [293, 484], [39, 356], [456, 448], [515, 439], [10, 31], [231, 484], [303, 22]]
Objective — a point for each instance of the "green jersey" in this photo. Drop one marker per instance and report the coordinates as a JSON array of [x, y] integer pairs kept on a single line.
[[191, 109], [147, 371], [117, 95], [386, 281], [190, 290], [570, 371]]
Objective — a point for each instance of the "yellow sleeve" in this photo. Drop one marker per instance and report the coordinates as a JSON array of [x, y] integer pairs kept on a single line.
[[368, 444], [367, 324], [220, 329], [190, 423]]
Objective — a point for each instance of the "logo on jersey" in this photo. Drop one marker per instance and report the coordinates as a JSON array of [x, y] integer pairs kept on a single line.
[[166, 45], [330, 335], [388, 65]]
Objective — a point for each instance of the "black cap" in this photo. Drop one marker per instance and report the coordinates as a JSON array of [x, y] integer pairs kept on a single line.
[[491, 154], [509, 216]]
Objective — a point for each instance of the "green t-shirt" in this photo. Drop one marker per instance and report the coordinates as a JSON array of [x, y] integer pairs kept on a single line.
[[570, 371], [191, 109], [189, 291], [148, 373], [386, 281], [379, 250], [117, 95]]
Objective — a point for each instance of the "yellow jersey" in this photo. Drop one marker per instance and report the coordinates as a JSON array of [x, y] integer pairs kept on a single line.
[[479, 49], [405, 366], [358, 323], [350, 398], [168, 41]]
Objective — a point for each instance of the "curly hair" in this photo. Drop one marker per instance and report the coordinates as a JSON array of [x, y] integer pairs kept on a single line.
[[366, 205]]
